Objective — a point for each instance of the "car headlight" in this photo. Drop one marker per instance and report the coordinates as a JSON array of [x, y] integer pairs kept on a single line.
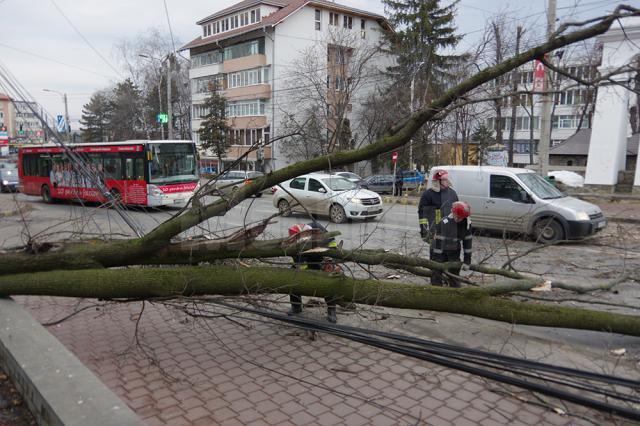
[[5, 182], [356, 200], [583, 216], [154, 190]]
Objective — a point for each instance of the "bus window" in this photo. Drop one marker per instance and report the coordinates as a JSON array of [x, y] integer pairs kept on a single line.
[[134, 168], [113, 166]]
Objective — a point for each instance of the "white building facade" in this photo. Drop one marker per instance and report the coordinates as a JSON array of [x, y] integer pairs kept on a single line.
[[249, 51]]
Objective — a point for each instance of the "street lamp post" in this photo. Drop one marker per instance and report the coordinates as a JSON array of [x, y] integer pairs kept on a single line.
[[66, 111], [169, 106]]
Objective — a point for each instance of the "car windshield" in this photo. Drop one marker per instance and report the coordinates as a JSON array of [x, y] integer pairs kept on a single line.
[[349, 175], [339, 184], [539, 186], [172, 163]]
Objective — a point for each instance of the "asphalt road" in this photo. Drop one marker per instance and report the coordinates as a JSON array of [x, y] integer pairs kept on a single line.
[[615, 250]]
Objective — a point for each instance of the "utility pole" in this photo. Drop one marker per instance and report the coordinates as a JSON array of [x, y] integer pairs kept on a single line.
[[545, 124], [169, 107], [66, 117]]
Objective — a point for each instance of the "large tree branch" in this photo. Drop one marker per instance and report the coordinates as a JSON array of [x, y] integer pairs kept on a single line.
[[171, 282]]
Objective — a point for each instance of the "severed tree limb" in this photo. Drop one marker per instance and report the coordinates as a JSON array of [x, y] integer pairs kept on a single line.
[[146, 283]]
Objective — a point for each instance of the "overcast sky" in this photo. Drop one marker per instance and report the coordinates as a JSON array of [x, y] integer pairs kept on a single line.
[[42, 49]]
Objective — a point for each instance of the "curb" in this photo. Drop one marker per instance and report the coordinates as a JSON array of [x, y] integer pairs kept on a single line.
[[56, 386]]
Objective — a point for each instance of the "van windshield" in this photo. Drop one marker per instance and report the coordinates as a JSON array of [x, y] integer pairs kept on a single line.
[[540, 187]]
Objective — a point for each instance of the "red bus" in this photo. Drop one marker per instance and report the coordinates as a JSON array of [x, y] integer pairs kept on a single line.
[[145, 173]]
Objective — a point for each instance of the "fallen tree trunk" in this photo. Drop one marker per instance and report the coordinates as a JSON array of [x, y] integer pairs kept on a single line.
[[146, 283]]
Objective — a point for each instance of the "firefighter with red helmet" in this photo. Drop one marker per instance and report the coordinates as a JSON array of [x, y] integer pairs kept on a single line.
[[435, 204], [450, 235], [314, 261]]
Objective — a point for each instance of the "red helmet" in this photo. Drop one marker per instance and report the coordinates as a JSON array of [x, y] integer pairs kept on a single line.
[[297, 228], [440, 174], [461, 209]]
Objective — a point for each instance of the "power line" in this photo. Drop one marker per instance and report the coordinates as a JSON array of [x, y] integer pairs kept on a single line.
[[166, 12], [85, 39], [36, 55]]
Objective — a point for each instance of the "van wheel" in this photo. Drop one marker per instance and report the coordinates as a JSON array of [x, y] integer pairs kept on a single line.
[[548, 231], [46, 194], [284, 208], [337, 214]]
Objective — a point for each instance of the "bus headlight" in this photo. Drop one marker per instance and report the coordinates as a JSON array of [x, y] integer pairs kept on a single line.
[[154, 190]]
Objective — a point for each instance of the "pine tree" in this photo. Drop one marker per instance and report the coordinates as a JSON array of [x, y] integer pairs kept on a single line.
[[214, 130], [423, 29], [96, 118], [483, 136], [127, 119]]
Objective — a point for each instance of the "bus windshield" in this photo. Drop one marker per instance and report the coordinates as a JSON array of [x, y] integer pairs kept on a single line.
[[172, 163]]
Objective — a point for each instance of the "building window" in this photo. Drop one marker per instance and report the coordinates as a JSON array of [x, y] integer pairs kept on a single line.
[[204, 59], [569, 122], [318, 20], [333, 19], [248, 77], [362, 28], [246, 108], [340, 83], [203, 84], [252, 47], [347, 21]]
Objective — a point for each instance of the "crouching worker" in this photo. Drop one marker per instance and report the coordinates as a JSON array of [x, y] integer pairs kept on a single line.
[[451, 233], [314, 261]]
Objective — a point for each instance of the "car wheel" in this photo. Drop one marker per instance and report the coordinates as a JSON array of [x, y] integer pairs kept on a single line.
[[548, 231], [46, 194], [337, 214], [284, 208], [259, 194]]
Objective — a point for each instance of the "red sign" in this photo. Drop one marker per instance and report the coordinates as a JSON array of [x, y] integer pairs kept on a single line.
[[394, 157], [538, 76], [181, 187]]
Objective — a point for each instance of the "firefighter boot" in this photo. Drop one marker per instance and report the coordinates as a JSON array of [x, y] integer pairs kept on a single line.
[[296, 304], [331, 314]]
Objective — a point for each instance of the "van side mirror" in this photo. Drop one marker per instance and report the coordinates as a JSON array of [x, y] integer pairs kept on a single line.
[[322, 190]]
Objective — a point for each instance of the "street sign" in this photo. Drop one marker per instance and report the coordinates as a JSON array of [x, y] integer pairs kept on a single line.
[[162, 118], [60, 124], [394, 157]]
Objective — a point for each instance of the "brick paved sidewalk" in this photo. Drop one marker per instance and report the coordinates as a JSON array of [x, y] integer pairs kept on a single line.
[[235, 371]]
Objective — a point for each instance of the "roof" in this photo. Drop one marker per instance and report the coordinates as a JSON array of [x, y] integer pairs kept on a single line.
[[578, 144], [288, 7]]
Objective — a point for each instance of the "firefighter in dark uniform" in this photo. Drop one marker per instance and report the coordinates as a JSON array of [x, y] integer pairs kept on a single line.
[[314, 261], [450, 234], [435, 204]]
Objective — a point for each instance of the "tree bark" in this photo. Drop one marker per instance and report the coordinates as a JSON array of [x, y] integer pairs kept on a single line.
[[145, 283]]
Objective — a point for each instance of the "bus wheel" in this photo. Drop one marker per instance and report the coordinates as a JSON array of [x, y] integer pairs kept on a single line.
[[46, 194]]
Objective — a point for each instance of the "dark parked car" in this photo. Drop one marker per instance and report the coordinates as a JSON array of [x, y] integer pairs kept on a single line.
[[352, 177], [8, 177], [379, 183]]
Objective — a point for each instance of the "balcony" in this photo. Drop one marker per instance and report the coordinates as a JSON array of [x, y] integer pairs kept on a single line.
[[255, 91], [245, 62]]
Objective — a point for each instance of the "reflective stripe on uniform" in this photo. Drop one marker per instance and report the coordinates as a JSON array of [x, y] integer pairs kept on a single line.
[[438, 215], [468, 237], [423, 221], [467, 251], [332, 244], [438, 251], [304, 266]]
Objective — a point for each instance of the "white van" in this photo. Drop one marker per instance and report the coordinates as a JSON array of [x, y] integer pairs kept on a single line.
[[520, 200]]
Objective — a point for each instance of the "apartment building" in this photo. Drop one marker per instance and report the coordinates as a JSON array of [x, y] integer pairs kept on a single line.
[[572, 109], [20, 123], [248, 51]]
